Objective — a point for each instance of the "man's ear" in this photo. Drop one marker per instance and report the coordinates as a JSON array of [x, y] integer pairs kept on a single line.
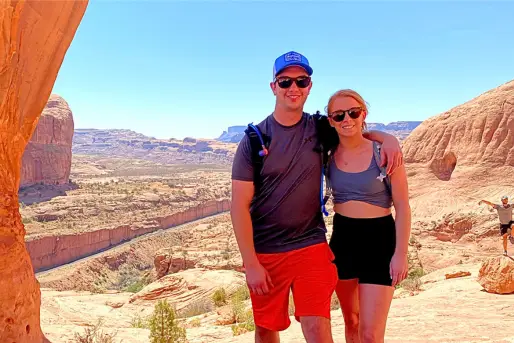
[[273, 87]]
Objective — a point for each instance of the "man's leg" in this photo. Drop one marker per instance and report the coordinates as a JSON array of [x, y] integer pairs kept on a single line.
[[315, 282], [263, 335], [504, 234], [316, 329]]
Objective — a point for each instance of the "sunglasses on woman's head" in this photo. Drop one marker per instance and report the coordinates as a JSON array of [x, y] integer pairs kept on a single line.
[[338, 116], [301, 82]]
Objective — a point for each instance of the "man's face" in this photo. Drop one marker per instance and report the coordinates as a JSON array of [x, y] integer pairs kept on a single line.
[[293, 97], [505, 201]]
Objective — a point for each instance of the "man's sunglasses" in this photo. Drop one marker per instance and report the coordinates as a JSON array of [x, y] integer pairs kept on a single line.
[[301, 82], [354, 113]]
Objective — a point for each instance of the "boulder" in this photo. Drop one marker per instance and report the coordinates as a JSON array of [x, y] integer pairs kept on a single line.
[[496, 275]]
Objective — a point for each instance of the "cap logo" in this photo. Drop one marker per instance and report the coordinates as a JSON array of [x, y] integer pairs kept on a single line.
[[293, 56]]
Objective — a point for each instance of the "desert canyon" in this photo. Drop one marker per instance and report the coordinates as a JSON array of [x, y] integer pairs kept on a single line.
[[97, 226]]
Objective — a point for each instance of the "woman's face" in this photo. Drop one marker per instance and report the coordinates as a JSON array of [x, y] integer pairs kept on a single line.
[[350, 107]]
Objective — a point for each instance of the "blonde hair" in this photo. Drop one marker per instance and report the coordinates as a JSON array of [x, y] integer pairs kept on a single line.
[[350, 93]]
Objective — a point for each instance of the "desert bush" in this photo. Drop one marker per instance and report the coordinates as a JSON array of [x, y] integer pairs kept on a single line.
[[196, 308], [220, 297], [195, 323], [412, 282], [139, 323], [242, 316], [95, 335], [163, 328], [242, 293]]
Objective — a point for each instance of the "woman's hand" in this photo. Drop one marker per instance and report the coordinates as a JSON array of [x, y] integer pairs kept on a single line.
[[399, 267]]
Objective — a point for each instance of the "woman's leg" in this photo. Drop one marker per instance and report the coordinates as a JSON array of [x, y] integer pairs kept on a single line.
[[374, 304], [348, 294]]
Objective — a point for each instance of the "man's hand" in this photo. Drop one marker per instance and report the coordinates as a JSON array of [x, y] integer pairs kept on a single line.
[[391, 153], [258, 279]]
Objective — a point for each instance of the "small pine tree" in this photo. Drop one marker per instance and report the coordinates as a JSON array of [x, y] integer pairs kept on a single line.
[[163, 328]]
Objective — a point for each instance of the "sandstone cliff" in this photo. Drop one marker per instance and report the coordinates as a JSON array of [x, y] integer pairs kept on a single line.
[[47, 157], [480, 131], [35, 38]]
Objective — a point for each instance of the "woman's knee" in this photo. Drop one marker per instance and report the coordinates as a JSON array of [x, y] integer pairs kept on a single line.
[[370, 334], [351, 320]]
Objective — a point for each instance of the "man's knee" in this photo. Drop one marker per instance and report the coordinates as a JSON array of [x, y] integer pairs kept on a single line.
[[316, 329], [263, 335]]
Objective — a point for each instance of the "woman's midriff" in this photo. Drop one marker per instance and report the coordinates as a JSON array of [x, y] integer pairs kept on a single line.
[[358, 209]]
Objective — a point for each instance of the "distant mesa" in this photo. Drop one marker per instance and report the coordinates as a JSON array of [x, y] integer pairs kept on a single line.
[[400, 129], [480, 131], [129, 144], [233, 135], [47, 156]]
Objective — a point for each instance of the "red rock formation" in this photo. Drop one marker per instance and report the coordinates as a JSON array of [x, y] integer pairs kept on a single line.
[[478, 131], [47, 157], [52, 251], [35, 38], [497, 275], [166, 262]]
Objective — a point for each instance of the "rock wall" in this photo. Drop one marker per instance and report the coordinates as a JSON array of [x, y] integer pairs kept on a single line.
[[52, 251], [480, 131], [35, 36], [47, 157]]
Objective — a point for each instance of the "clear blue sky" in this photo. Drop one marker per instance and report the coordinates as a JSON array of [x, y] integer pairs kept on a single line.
[[176, 68]]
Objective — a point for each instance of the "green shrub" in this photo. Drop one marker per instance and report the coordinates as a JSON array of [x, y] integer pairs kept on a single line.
[[163, 328]]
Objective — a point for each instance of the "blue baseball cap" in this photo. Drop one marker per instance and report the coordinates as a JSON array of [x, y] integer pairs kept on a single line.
[[290, 59]]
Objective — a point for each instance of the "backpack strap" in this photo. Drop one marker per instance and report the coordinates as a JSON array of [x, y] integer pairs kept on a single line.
[[259, 144], [324, 145], [383, 171]]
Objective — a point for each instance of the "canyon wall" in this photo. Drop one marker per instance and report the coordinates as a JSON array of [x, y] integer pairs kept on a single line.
[[52, 251]]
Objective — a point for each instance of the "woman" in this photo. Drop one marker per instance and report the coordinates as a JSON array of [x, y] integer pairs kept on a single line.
[[370, 246]]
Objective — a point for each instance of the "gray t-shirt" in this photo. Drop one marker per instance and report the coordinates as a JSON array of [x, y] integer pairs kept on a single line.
[[286, 210], [504, 213]]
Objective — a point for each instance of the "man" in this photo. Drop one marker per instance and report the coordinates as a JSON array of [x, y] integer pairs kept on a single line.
[[277, 221], [505, 216]]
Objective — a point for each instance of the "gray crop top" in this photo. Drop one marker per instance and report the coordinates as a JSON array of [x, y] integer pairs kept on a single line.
[[363, 186]]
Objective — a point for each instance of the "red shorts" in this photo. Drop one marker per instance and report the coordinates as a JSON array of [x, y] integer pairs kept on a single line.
[[309, 273]]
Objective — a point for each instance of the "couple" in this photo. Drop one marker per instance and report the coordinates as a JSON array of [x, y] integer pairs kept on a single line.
[[278, 222]]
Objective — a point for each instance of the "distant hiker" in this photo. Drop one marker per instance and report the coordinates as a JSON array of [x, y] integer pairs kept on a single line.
[[505, 216], [277, 209], [370, 246]]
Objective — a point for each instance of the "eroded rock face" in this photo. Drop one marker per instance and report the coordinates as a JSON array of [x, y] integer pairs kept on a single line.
[[47, 157], [480, 131], [497, 275], [28, 72]]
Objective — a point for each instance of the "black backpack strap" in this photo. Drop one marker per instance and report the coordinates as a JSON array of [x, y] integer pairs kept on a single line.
[[325, 143], [259, 144]]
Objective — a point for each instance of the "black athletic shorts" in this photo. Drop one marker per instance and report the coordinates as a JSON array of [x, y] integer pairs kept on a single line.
[[363, 248], [505, 227]]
